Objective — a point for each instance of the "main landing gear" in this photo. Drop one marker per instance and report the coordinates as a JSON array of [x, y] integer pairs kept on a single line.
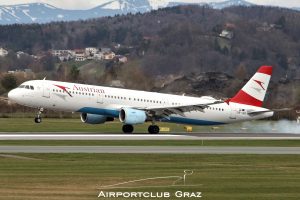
[[152, 129], [38, 118]]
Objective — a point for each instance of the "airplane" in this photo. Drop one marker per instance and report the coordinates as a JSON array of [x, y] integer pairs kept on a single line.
[[97, 104]]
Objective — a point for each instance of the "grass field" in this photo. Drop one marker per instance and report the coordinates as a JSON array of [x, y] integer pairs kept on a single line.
[[79, 176], [75, 125], [69, 125]]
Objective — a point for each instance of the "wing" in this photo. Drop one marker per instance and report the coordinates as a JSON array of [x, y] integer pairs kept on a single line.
[[257, 112], [165, 112]]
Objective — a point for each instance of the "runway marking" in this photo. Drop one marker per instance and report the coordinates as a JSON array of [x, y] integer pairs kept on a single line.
[[17, 157], [150, 149]]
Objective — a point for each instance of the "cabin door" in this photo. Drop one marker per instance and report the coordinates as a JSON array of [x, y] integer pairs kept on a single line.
[[233, 112], [100, 98], [46, 90]]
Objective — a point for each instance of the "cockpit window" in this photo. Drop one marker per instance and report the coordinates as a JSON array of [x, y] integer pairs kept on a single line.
[[31, 87], [27, 87], [21, 86]]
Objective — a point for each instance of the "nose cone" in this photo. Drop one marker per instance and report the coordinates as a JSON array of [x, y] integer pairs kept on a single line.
[[12, 95]]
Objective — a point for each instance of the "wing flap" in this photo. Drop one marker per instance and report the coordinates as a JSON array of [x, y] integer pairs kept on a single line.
[[165, 112]]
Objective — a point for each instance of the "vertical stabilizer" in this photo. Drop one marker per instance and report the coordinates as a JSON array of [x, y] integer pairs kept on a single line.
[[253, 93]]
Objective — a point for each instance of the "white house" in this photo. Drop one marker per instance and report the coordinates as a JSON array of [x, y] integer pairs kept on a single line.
[[63, 55], [226, 34], [3, 52], [109, 55], [90, 51], [122, 59], [98, 56], [20, 53], [80, 55]]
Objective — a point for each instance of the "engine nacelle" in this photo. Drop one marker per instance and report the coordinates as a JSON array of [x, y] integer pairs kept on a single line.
[[94, 119], [132, 116]]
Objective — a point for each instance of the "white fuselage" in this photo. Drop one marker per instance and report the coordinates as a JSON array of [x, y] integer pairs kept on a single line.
[[108, 101]]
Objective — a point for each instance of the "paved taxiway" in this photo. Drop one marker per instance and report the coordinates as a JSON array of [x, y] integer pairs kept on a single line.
[[136, 136], [150, 149]]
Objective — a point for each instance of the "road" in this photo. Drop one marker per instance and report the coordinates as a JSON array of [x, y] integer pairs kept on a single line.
[[150, 149], [176, 136]]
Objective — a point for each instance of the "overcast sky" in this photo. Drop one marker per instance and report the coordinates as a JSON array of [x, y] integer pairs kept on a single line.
[[86, 4]]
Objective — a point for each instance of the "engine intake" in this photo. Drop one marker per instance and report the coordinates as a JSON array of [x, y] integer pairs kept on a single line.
[[132, 116], [94, 119]]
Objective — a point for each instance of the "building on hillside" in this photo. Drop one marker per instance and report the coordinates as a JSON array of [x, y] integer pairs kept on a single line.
[[20, 53], [80, 55], [98, 56], [90, 51], [3, 52], [26, 73], [59, 52], [121, 59], [63, 55], [117, 46], [105, 50], [226, 34], [109, 55]]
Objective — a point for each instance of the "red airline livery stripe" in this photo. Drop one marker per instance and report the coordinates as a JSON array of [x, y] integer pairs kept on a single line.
[[265, 70], [244, 98]]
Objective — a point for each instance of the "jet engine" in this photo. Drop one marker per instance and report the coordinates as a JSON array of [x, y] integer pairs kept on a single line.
[[132, 116], [94, 119]]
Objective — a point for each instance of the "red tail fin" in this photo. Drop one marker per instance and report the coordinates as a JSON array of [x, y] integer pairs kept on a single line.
[[253, 93]]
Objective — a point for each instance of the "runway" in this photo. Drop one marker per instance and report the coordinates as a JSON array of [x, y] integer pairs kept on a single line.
[[150, 149], [137, 136]]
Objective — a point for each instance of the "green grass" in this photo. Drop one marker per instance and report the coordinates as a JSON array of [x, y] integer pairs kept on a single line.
[[253, 143], [75, 125], [70, 125], [78, 176]]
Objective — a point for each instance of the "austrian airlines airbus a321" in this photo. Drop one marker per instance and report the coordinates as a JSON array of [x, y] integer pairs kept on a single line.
[[99, 104]]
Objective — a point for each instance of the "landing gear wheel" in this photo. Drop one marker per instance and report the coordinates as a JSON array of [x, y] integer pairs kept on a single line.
[[153, 129], [127, 128], [37, 120]]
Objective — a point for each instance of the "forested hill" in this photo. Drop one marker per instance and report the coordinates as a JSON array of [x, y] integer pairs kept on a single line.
[[176, 40]]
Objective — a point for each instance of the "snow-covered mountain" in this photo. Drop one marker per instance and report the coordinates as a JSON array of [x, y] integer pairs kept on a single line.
[[228, 3], [43, 13], [217, 5], [297, 9]]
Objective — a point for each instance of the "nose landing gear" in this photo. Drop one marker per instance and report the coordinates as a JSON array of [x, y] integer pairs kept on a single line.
[[38, 118]]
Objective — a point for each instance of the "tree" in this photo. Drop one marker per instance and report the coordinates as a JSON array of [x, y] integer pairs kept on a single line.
[[48, 62], [74, 73], [241, 72], [9, 82], [281, 22]]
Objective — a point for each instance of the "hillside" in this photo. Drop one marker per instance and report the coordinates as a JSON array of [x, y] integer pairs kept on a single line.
[[179, 41]]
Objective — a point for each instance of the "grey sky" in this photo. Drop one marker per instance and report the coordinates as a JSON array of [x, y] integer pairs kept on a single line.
[[85, 4]]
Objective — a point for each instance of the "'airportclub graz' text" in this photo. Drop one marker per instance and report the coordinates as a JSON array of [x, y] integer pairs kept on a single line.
[[177, 194]]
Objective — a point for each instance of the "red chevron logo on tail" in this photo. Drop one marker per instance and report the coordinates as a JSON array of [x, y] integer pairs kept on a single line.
[[260, 83]]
